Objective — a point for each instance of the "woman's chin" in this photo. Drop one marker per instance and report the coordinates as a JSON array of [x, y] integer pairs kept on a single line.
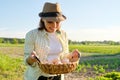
[[52, 31]]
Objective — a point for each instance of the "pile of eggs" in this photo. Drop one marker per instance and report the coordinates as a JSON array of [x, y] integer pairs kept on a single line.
[[72, 57]]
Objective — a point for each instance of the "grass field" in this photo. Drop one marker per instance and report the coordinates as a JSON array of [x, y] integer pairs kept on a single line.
[[12, 66], [105, 49]]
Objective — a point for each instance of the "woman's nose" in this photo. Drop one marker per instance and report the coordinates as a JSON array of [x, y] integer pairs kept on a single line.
[[54, 24]]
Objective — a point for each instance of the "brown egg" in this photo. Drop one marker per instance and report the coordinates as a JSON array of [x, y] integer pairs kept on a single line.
[[56, 61], [65, 61]]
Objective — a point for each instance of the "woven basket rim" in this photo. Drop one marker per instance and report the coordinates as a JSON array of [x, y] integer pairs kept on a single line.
[[58, 64], [58, 68]]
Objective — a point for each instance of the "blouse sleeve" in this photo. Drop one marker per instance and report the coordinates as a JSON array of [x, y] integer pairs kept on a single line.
[[65, 45], [29, 46]]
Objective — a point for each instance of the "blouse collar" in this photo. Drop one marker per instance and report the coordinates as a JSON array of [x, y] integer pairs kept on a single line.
[[46, 33]]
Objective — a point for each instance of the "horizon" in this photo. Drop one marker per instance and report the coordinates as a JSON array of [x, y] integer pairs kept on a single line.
[[68, 39]]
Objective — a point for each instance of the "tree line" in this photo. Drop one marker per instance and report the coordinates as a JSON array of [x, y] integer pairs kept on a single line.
[[21, 41], [12, 40], [105, 42]]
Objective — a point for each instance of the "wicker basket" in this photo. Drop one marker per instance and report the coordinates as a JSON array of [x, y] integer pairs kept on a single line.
[[59, 68]]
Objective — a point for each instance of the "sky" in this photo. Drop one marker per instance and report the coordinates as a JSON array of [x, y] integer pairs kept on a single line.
[[87, 20]]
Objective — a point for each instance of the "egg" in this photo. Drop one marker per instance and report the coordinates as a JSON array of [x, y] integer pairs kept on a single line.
[[65, 61], [44, 62], [55, 61]]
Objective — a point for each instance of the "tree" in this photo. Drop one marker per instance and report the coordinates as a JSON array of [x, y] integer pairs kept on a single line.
[[14, 41], [1, 40]]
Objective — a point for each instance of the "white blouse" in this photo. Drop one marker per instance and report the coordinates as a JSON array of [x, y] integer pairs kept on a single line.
[[55, 47]]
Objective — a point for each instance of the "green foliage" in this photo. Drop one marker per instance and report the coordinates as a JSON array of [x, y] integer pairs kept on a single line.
[[101, 69], [99, 65], [113, 75], [1, 40], [95, 67], [12, 40], [109, 42], [108, 76], [80, 67]]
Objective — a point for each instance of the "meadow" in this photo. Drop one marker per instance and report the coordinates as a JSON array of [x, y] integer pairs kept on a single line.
[[95, 59]]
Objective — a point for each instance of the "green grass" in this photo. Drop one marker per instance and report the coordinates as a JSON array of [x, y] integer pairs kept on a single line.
[[94, 50], [11, 68], [10, 45], [101, 49]]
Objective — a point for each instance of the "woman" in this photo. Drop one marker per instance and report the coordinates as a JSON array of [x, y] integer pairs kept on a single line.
[[48, 42]]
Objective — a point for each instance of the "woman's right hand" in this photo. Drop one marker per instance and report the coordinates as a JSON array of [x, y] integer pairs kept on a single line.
[[31, 59]]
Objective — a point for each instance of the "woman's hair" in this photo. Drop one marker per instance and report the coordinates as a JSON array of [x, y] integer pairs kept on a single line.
[[41, 25]]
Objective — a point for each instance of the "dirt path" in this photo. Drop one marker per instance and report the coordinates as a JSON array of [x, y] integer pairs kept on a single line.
[[12, 51]]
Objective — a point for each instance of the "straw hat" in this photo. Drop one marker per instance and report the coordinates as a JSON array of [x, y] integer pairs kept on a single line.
[[52, 12]]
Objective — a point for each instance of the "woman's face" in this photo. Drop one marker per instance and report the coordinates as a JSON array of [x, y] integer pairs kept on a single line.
[[51, 26]]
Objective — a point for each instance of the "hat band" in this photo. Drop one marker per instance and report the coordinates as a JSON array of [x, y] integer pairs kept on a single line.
[[50, 14]]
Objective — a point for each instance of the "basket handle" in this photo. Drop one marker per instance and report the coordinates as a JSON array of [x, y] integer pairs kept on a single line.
[[37, 59]]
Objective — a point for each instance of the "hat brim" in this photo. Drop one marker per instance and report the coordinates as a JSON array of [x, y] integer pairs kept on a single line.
[[60, 18]]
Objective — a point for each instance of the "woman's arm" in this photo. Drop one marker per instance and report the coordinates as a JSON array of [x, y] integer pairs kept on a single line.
[[28, 48]]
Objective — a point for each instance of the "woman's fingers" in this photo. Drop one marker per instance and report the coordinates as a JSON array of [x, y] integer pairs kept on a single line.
[[33, 56]]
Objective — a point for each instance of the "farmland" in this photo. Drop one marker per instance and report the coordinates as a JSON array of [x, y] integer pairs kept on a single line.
[[96, 60]]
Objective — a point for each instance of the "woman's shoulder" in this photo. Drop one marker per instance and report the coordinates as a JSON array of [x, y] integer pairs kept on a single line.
[[33, 31], [63, 32]]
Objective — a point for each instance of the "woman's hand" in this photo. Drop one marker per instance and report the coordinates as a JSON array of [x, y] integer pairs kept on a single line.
[[31, 59]]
